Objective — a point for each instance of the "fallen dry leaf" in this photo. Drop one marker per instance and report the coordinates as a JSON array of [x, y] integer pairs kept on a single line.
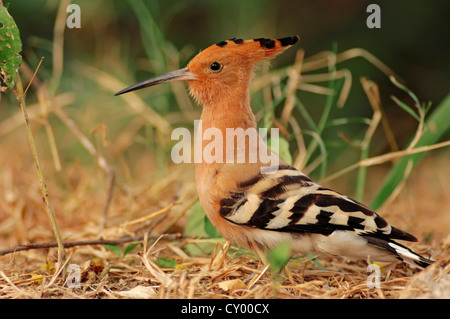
[[232, 285], [139, 292]]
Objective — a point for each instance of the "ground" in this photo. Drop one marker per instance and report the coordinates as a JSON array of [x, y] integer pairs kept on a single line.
[[160, 266]]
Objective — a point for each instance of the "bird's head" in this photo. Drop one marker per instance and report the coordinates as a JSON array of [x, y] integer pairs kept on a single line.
[[222, 70]]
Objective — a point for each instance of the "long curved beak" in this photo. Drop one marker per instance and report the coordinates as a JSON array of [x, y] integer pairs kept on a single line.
[[178, 75]]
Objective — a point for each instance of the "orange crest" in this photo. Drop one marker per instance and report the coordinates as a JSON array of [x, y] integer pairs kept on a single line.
[[252, 50]]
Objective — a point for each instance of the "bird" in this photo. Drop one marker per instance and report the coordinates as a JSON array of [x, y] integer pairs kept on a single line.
[[259, 205]]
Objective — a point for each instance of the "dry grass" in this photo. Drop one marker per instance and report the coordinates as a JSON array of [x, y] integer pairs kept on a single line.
[[422, 208]]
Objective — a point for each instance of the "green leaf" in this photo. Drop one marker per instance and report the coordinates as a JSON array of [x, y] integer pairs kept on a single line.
[[165, 263], [280, 147], [115, 249], [279, 256], [196, 226], [210, 229], [195, 222], [10, 47], [129, 248]]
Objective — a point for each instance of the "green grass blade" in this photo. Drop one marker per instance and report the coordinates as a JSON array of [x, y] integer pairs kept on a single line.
[[406, 108], [323, 151], [305, 114], [361, 176], [437, 125], [152, 36], [349, 120]]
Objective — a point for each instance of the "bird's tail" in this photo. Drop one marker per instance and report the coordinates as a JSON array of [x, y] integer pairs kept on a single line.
[[410, 257], [401, 252]]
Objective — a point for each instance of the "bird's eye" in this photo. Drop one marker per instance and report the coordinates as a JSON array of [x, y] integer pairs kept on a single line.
[[215, 66]]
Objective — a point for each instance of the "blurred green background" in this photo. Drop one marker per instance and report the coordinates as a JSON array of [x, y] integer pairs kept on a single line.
[[133, 40], [412, 37]]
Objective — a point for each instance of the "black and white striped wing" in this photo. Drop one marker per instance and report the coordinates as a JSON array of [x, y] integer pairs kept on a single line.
[[288, 201]]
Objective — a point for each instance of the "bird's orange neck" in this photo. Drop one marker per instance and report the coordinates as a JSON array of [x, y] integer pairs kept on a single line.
[[228, 135], [231, 113]]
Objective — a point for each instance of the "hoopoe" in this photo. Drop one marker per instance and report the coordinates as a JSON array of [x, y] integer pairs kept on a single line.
[[260, 209]]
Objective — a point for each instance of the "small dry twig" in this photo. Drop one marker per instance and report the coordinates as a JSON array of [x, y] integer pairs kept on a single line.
[[100, 241]]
